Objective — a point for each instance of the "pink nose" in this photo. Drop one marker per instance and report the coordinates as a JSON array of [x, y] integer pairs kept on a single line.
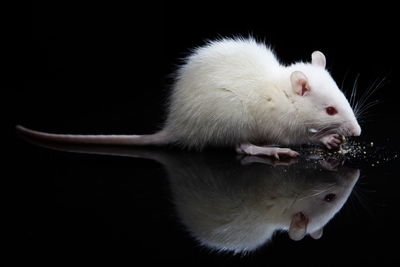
[[356, 131]]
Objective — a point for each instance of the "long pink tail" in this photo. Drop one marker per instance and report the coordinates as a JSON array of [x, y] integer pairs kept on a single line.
[[160, 138]]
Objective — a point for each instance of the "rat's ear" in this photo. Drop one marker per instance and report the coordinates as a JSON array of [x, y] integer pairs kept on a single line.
[[318, 59], [317, 234], [299, 83], [298, 226]]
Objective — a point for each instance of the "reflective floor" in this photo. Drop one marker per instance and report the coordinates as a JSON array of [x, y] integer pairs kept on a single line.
[[89, 68], [167, 206]]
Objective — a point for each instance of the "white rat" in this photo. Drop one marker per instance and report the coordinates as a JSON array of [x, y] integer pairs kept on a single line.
[[234, 92]]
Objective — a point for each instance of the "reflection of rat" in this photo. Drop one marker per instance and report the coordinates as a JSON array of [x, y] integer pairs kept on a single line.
[[239, 209], [232, 206], [234, 92]]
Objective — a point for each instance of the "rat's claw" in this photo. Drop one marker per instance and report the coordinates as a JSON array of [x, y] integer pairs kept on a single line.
[[328, 146], [284, 152], [331, 141], [287, 152]]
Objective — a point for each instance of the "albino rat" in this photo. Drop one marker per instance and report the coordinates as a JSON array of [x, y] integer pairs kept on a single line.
[[234, 92]]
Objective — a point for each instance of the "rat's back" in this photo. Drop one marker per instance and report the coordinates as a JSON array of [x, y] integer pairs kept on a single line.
[[208, 101]]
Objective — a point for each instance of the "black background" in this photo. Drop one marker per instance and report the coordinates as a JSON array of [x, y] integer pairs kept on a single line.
[[106, 68]]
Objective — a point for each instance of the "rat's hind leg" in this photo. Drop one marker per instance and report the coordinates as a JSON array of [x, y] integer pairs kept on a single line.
[[249, 149]]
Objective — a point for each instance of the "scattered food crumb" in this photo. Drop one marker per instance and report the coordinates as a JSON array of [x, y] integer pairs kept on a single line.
[[355, 151]]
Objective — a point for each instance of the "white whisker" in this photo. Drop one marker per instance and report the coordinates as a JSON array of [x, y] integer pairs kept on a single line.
[[362, 104]]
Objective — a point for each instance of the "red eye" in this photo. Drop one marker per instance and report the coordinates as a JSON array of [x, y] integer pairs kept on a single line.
[[331, 110]]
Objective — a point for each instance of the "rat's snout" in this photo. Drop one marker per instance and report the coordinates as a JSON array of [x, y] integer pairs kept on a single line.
[[355, 130], [352, 128]]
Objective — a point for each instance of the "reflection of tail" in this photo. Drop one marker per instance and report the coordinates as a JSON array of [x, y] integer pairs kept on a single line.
[[160, 138]]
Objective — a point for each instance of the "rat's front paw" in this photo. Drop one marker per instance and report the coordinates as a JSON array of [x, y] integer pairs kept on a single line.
[[332, 141]]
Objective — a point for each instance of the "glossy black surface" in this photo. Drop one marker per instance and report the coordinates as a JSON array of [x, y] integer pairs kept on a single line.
[[83, 68]]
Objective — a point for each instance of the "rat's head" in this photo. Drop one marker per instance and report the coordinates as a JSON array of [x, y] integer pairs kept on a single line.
[[311, 212], [322, 107]]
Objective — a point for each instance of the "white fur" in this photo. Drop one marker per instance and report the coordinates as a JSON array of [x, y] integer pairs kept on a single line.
[[234, 90]]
